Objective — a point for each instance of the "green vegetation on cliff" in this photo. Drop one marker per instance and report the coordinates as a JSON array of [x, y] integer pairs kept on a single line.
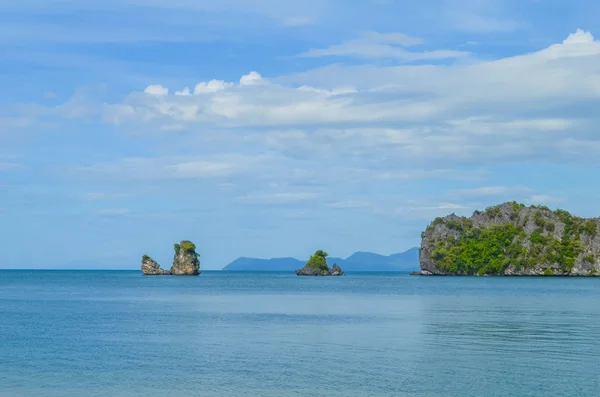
[[478, 251], [512, 235], [318, 262], [188, 246]]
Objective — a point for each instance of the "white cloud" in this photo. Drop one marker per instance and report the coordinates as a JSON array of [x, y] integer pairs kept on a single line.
[[418, 122], [579, 37], [157, 90], [443, 98], [184, 92], [250, 78], [383, 45], [176, 167], [211, 87]]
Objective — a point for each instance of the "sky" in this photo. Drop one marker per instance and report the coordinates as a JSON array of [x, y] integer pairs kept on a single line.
[[268, 128]]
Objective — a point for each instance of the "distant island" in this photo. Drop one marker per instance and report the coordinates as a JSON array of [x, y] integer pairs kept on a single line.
[[358, 262], [317, 266], [186, 262], [512, 239]]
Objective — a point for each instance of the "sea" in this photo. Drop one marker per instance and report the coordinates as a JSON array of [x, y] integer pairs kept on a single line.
[[118, 333]]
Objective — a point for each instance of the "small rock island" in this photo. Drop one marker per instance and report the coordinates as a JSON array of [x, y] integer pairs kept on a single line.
[[186, 262], [511, 239], [317, 266]]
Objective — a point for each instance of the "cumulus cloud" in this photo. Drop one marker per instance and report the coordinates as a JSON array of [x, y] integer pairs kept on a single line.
[[184, 92], [396, 94], [579, 37], [342, 124], [250, 79], [211, 87], [522, 107], [157, 90]]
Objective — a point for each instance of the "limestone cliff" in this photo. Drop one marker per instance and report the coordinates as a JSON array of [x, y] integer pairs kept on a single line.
[[151, 268], [317, 266], [185, 262], [511, 239]]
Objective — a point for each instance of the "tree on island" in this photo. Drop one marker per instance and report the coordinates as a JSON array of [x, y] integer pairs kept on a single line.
[[318, 262]]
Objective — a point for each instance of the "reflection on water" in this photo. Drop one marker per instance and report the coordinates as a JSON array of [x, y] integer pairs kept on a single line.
[[120, 334]]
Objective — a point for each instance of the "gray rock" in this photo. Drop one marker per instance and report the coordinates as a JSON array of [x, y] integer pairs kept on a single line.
[[309, 271], [185, 262], [336, 270], [151, 268]]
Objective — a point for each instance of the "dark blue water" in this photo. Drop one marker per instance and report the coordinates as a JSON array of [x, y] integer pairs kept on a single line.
[[239, 334]]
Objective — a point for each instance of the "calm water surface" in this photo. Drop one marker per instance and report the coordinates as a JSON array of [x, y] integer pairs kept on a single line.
[[238, 334]]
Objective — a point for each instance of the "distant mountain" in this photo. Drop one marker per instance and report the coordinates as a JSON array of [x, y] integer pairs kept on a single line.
[[357, 262], [255, 264]]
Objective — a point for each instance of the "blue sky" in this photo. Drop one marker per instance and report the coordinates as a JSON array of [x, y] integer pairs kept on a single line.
[[268, 128]]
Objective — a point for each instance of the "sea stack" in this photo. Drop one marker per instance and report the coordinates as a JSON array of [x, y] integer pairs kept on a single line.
[[185, 262], [511, 239], [151, 268], [317, 266]]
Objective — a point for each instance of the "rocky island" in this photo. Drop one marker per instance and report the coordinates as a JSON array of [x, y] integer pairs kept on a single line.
[[317, 266], [511, 239], [185, 262]]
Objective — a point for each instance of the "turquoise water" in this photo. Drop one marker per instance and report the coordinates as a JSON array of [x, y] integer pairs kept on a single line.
[[230, 334]]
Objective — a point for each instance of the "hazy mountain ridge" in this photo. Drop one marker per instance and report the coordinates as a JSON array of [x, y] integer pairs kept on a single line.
[[358, 261]]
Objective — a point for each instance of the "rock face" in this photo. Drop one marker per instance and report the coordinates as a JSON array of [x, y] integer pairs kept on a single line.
[[336, 270], [151, 268], [317, 266], [185, 262], [511, 239]]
